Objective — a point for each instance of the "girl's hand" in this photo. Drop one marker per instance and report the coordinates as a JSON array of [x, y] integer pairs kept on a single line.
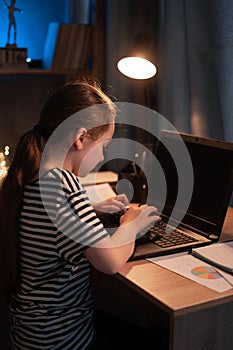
[[140, 217], [112, 204]]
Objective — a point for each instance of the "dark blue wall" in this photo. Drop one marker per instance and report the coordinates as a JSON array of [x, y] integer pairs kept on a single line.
[[33, 22]]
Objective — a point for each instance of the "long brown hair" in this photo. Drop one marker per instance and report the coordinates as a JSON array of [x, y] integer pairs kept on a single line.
[[67, 100]]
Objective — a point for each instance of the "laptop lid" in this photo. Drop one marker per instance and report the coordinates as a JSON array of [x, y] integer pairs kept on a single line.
[[210, 192], [212, 168]]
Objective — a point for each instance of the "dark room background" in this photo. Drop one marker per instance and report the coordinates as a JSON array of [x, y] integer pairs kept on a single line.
[[193, 50], [193, 46]]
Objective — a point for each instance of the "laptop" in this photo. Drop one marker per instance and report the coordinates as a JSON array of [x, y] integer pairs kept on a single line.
[[211, 190]]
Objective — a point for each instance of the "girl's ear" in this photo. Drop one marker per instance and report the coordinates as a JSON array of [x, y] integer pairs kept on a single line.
[[79, 138]]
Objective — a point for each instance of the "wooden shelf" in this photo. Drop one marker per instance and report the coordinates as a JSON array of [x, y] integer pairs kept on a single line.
[[98, 70], [39, 71]]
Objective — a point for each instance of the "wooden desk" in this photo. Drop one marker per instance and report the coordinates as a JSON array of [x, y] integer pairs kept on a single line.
[[193, 317]]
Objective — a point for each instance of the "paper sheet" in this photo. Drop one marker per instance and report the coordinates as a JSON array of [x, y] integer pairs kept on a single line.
[[196, 270], [99, 177], [100, 192]]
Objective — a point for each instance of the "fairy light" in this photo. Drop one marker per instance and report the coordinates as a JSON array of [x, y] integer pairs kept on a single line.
[[6, 150], [3, 165]]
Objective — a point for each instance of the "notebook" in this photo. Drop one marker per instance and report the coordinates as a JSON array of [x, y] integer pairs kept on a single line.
[[212, 164]]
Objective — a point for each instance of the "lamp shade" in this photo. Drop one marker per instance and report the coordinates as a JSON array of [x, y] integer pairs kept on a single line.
[[138, 63]]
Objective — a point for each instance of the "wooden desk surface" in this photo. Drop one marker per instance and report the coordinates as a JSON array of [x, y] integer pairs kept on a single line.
[[192, 316], [171, 291]]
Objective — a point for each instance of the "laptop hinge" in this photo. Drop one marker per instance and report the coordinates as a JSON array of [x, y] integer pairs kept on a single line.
[[190, 228]]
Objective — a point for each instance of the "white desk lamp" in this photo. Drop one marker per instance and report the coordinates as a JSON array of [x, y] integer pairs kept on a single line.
[[138, 63]]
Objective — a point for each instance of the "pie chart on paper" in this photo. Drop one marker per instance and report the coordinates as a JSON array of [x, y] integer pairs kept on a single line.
[[206, 272]]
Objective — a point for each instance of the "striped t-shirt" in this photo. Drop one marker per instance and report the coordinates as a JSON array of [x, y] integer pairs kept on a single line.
[[53, 306]]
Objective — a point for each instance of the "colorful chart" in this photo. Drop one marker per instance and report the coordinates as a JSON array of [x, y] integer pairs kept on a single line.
[[206, 272]]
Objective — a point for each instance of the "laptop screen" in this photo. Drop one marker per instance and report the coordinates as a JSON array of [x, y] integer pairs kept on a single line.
[[212, 163]]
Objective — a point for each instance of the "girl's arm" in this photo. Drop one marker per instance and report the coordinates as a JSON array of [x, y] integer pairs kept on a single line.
[[111, 253]]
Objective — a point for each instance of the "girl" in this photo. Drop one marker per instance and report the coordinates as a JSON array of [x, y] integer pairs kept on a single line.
[[50, 234]]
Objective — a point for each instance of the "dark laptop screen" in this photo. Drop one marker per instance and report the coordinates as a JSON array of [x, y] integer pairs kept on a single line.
[[212, 163]]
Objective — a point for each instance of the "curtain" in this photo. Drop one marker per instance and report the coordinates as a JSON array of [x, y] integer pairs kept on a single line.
[[194, 48], [81, 11], [193, 40], [196, 73]]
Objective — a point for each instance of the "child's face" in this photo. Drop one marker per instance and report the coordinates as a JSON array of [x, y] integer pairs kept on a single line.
[[93, 152]]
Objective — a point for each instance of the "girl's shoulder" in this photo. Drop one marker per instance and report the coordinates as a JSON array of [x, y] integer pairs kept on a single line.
[[64, 178]]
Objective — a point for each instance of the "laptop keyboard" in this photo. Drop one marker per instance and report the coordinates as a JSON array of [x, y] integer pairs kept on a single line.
[[158, 235]]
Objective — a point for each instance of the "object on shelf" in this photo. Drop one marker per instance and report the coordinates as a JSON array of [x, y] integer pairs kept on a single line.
[[67, 46], [12, 57]]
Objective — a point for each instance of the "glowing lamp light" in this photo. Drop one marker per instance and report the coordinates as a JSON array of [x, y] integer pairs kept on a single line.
[[136, 67], [138, 63]]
